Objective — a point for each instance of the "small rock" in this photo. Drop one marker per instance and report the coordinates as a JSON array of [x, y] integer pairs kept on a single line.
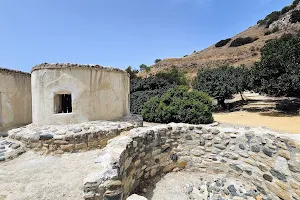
[[242, 146], [46, 136], [232, 190], [2, 147], [2, 158], [268, 177], [278, 175], [214, 131], [220, 146], [284, 153], [267, 151], [255, 148], [77, 130]]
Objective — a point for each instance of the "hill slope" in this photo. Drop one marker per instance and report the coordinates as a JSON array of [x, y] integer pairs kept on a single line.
[[242, 55]]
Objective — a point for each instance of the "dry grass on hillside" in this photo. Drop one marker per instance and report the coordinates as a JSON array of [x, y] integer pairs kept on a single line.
[[236, 56]]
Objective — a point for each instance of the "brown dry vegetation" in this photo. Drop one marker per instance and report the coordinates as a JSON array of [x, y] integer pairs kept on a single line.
[[242, 55]]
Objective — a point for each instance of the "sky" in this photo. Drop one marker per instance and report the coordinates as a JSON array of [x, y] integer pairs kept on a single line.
[[119, 33]]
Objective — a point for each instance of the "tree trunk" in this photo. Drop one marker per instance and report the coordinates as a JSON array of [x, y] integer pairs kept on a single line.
[[221, 102], [242, 97]]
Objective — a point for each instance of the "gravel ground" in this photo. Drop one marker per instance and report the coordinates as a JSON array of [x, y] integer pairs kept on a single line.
[[32, 176]]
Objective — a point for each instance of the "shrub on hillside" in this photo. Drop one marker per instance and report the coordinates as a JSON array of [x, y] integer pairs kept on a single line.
[[285, 10], [274, 30], [157, 60], [295, 16], [131, 72], [222, 43], [242, 41], [173, 76], [269, 19], [179, 105]]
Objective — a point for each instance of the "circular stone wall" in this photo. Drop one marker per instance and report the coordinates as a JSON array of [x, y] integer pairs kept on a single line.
[[71, 93], [269, 164]]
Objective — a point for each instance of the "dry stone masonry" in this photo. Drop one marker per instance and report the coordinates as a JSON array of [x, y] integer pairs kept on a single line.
[[269, 164], [58, 139]]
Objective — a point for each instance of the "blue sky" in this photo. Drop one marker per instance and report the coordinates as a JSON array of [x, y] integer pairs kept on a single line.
[[119, 33]]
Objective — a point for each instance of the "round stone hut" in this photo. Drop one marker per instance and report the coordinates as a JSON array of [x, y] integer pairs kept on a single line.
[[74, 93]]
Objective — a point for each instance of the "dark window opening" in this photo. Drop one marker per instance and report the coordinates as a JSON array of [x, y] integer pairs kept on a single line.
[[63, 103]]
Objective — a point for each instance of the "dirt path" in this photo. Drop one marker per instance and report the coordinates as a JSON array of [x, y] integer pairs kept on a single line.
[[289, 124], [35, 177]]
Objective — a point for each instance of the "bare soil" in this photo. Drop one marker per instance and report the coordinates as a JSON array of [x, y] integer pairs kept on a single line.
[[275, 121], [36, 177]]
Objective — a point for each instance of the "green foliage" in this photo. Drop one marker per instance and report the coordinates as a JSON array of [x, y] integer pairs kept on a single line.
[[222, 43], [173, 76], [242, 41], [142, 67], [285, 10], [222, 82], [294, 5], [274, 30], [157, 60], [278, 72], [141, 90], [179, 105], [269, 19], [131, 72], [295, 16]]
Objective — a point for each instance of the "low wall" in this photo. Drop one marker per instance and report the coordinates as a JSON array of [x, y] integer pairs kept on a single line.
[[15, 98], [58, 139], [270, 163]]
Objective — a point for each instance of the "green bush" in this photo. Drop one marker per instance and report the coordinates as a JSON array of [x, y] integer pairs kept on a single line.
[[295, 16], [222, 82], [274, 30], [278, 72], [269, 19], [222, 43], [294, 5], [285, 10], [173, 76], [157, 60], [179, 105], [141, 90], [242, 41]]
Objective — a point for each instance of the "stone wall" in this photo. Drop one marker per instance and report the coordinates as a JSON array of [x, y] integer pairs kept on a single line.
[[58, 139], [15, 98], [270, 163]]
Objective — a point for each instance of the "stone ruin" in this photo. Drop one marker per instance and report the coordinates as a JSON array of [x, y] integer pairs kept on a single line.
[[231, 163], [268, 164]]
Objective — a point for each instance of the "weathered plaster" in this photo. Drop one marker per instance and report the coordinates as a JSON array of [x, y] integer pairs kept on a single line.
[[97, 94], [15, 98]]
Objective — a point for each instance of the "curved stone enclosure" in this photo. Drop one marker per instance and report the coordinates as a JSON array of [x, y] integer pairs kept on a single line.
[[72, 93], [271, 163]]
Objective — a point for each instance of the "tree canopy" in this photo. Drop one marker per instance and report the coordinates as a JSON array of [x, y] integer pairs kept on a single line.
[[278, 72]]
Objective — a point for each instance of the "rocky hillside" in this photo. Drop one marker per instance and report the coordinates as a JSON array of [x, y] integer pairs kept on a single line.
[[246, 54]]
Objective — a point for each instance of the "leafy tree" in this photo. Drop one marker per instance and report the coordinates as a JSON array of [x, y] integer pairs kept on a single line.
[[131, 72], [179, 105], [157, 60], [222, 82], [222, 43], [278, 72], [173, 76], [143, 67]]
